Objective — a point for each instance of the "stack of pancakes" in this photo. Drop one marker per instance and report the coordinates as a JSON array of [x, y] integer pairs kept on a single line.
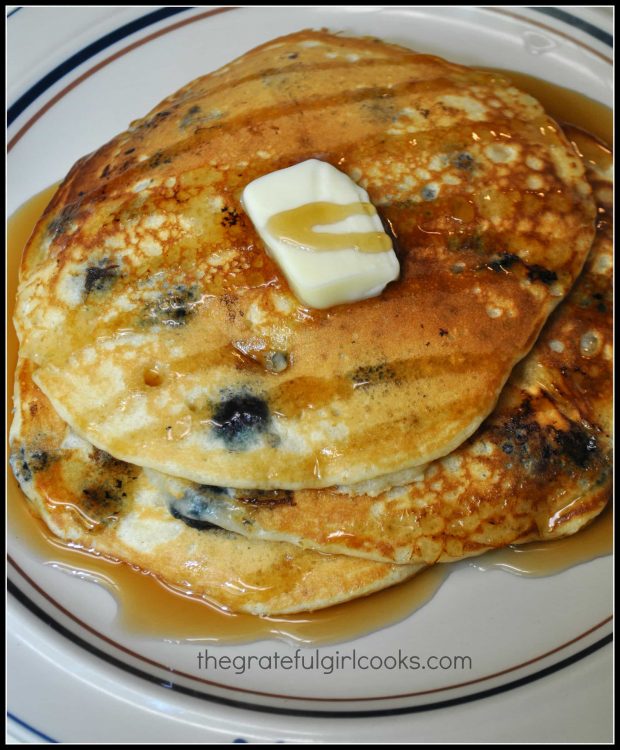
[[178, 408]]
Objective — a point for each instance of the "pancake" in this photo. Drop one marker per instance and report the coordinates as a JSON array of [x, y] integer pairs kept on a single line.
[[91, 499], [539, 468], [154, 316]]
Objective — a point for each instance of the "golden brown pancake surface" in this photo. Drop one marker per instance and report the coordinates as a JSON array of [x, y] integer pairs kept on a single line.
[[539, 468], [94, 501], [153, 313]]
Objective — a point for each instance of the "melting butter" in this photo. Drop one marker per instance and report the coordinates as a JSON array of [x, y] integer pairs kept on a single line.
[[324, 233]]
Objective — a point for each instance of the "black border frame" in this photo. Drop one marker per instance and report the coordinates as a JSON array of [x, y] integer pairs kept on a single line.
[[13, 112]]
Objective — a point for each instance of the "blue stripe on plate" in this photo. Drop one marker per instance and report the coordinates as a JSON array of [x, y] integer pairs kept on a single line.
[[78, 58], [578, 23], [27, 726], [14, 590], [92, 49], [14, 11]]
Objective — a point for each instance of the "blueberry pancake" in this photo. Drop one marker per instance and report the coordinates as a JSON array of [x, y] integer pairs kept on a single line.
[[538, 468], [163, 333], [91, 499]]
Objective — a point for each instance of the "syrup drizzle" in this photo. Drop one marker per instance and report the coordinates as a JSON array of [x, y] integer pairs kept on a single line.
[[296, 227]]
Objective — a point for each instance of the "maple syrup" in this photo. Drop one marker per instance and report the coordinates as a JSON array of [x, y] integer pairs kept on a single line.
[[297, 226], [546, 558], [565, 105], [180, 616], [151, 608]]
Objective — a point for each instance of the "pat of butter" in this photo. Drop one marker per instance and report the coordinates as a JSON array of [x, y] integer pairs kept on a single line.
[[323, 232]]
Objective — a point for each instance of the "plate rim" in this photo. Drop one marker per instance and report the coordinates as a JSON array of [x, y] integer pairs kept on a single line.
[[143, 22], [93, 650]]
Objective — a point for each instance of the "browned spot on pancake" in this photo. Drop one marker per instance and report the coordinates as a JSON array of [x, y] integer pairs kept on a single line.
[[266, 498]]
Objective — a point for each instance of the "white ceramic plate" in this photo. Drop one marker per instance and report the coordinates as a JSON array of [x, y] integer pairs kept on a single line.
[[538, 647]]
